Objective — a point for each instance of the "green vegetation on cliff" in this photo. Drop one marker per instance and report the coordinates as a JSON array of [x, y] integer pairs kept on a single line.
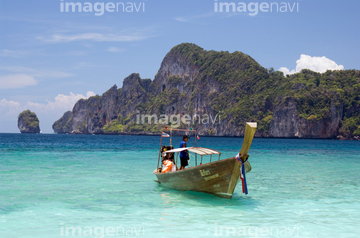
[[64, 124], [248, 92], [316, 94], [114, 127], [233, 85], [28, 122]]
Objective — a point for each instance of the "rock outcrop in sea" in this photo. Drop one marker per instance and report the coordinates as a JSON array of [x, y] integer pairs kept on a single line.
[[28, 122], [217, 92]]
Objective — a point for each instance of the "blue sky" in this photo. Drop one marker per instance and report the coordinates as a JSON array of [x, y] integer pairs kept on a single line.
[[49, 59]]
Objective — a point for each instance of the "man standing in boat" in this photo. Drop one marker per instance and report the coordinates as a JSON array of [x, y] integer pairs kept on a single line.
[[184, 155]]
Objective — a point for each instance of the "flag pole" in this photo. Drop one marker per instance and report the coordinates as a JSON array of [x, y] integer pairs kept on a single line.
[[170, 135], [160, 149]]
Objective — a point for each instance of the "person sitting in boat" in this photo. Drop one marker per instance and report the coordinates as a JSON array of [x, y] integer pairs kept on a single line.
[[168, 163], [164, 157], [184, 155]]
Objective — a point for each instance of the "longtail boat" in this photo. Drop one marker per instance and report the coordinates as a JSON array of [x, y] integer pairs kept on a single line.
[[217, 177]]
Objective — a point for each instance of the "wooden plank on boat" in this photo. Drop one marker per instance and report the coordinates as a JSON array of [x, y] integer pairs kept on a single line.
[[213, 178], [234, 178], [248, 137]]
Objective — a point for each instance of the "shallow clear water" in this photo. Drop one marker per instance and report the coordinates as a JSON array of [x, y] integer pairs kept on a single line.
[[103, 186]]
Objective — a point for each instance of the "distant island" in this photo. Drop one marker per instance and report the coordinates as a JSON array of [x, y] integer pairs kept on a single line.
[[28, 122], [231, 87]]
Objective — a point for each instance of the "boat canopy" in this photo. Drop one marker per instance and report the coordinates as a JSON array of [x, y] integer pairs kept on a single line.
[[197, 150]]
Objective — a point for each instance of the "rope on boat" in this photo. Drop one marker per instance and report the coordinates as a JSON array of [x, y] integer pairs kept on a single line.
[[242, 173]]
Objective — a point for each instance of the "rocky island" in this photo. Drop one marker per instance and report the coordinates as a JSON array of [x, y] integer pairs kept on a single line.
[[231, 87], [28, 122]]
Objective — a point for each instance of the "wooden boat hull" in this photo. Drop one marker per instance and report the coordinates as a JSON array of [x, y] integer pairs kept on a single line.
[[218, 178]]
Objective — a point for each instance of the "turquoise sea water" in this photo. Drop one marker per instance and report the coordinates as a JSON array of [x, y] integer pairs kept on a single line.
[[103, 186]]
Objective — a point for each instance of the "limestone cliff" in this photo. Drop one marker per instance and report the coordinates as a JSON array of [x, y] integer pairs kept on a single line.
[[286, 122], [92, 115], [220, 91], [28, 122]]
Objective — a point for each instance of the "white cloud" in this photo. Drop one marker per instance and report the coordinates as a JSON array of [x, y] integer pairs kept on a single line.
[[16, 81], [14, 53], [47, 112], [317, 64], [9, 108], [199, 18], [75, 53], [194, 17], [126, 37], [6, 103], [61, 101], [52, 74], [35, 72], [115, 49], [182, 19], [23, 77], [17, 69], [286, 71]]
